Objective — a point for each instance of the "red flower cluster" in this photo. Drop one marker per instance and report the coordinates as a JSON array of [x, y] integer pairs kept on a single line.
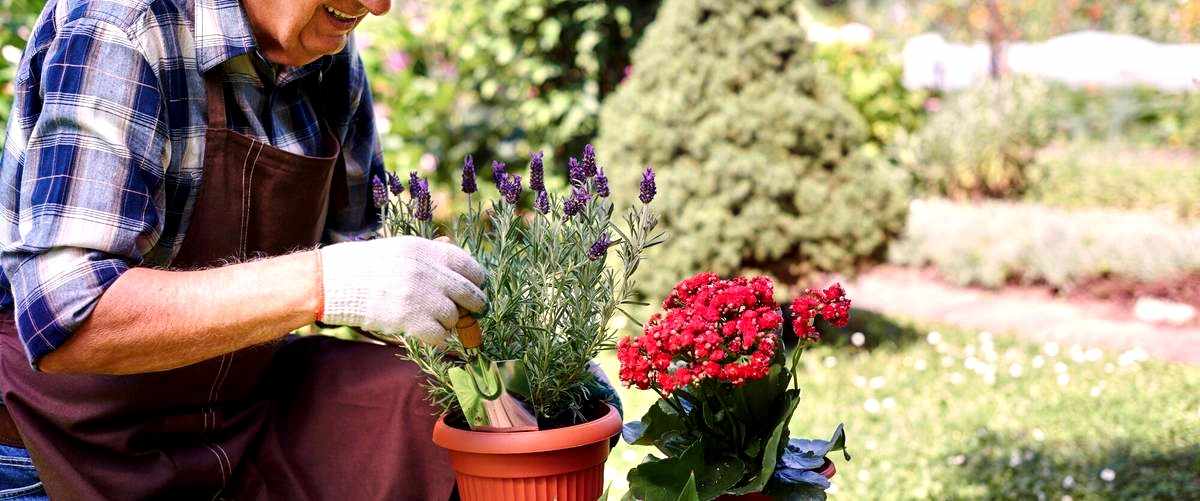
[[710, 328], [830, 304]]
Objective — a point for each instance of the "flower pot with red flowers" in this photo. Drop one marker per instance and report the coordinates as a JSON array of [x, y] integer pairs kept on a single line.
[[727, 391], [528, 415]]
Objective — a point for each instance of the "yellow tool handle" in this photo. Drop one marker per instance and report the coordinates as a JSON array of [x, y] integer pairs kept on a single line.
[[468, 329]]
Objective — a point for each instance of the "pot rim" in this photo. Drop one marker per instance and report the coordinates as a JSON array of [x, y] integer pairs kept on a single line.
[[523, 442]]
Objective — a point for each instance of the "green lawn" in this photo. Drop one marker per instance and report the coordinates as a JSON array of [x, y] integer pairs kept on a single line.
[[968, 416]]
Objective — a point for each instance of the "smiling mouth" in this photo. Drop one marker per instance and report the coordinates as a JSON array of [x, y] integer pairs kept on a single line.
[[342, 19]]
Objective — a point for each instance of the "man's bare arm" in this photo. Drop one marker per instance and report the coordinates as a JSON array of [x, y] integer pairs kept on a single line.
[[153, 320]]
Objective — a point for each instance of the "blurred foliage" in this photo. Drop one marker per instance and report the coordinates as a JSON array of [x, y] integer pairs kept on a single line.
[[982, 141], [871, 76], [969, 20], [1140, 115], [533, 72], [995, 243], [759, 158], [1117, 176], [16, 21]]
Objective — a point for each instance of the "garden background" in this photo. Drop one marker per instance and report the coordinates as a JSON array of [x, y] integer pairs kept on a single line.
[[1024, 254]]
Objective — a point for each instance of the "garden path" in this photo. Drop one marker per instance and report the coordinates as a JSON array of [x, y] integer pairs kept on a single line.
[[1031, 313]]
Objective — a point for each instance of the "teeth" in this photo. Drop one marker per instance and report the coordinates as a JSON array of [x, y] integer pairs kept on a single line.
[[339, 14]]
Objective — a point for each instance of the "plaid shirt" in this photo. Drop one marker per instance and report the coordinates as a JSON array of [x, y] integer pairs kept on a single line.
[[105, 144]]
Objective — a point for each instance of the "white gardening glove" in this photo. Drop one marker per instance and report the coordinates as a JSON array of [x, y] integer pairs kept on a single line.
[[399, 285]]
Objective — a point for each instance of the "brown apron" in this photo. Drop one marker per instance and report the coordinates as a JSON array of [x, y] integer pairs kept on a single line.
[[304, 418]]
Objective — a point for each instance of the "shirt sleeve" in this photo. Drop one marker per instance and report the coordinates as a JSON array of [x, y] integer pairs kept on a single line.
[[87, 199], [363, 156]]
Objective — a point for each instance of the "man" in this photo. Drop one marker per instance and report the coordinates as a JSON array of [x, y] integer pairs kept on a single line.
[[170, 167]]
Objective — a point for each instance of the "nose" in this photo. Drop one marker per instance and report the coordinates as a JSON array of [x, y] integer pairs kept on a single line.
[[377, 7]]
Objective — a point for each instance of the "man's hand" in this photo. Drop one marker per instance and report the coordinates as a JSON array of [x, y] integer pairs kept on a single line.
[[399, 285]]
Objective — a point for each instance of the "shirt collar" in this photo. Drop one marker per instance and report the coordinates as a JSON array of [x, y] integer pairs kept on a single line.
[[222, 32]]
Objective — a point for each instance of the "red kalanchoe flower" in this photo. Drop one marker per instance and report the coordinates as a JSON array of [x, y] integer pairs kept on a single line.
[[710, 329], [830, 304]]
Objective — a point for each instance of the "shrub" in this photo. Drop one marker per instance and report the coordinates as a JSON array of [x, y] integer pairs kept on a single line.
[[871, 75], [1116, 176], [757, 155], [994, 243], [531, 74], [982, 142]]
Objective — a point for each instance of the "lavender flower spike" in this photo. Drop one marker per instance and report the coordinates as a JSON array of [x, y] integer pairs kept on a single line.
[[542, 203], [575, 171], [499, 172], [394, 185], [511, 189], [600, 183], [379, 192], [424, 209], [536, 175], [599, 248], [414, 184], [648, 190], [468, 176], [589, 161], [576, 203]]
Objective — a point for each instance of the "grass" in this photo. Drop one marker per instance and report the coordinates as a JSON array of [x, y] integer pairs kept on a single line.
[[957, 415]]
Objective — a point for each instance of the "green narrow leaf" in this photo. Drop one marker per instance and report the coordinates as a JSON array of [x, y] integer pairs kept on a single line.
[[771, 449], [689, 490]]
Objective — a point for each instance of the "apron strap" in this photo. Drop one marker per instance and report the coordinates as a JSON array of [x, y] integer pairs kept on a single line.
[[214, 93]]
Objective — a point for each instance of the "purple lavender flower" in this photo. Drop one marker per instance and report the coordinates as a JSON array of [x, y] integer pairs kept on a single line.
[[578, 200], [648, 189], [575, 171], [510, 187], [394, 185], [536, 176], [599, 248], [468, 176], [499, 172], [424, 209], [414, 184], [379, 192], [600, 183], [589, 161], [542, 203]]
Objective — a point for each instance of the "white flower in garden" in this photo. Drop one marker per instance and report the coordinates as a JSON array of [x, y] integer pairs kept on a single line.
[[830, 361], [859, 381], [864, 475], [1038, 362], [1094, 355], [1067, 497], [889, 403], [858, 339], [1014, 459], [877, 382], [985, 338], [870, 444], [1063, 379], [1015, 370], [871, 406], [1068, 482], [1077, 354], [958, 460], [969, 351], [1060, 367], [957, 378], [1133, 356], [1039, 435], [1108, 475], [1050, 349], [11, 54], [920, 364], [1097, 389], [934, 338]]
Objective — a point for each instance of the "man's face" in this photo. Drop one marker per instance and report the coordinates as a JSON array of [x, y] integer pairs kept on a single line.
[[297, 32]]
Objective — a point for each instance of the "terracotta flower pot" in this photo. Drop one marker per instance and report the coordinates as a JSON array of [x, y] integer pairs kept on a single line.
[[827, 471], [563, 464]]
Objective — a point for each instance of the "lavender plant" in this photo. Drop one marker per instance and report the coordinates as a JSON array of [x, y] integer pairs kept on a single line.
[[551, 287]]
